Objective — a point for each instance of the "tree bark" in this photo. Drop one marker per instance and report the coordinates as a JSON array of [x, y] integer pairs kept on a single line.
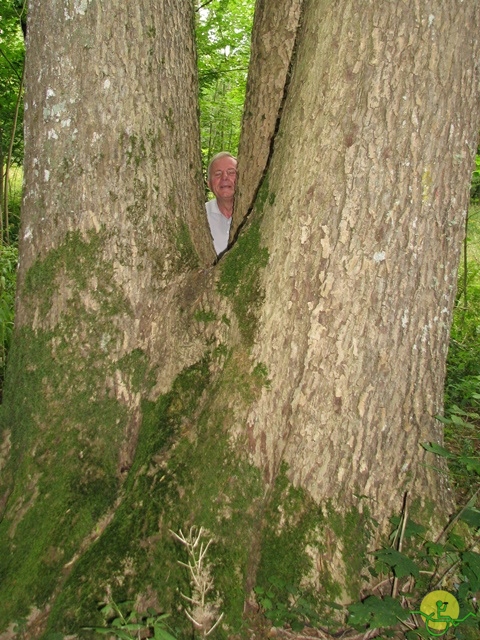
[[277, 400], [377, 190], [113, 144], [113, 234], [273, 41]]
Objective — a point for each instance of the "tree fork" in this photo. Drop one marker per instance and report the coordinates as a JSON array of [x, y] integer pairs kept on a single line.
[[292, 384]]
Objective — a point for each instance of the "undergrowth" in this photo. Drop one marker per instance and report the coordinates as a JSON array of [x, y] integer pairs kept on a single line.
[[8, 266]]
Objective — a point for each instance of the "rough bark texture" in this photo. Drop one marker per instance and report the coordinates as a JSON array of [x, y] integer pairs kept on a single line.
[[363, 223], [273, 41], [112, 144], [277, 400], [113, 234]]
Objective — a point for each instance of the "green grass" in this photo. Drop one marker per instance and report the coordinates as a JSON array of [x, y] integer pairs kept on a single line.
[[462, 386], [15, 179], [8, 264]]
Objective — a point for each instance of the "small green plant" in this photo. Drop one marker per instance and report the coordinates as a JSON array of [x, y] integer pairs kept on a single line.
[[125, 623], [8, 266], [405, 576], [462, 438], [285, 605]]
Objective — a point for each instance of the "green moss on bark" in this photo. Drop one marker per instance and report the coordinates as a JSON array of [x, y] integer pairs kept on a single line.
[[241, 267], [185, 473], [353, 530], [67, 426], [240, 279], [188, 257], [65, 466], [75, 262], [301, 543], [292, 522]]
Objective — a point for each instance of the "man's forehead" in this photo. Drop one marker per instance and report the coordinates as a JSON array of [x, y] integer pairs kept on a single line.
[[226, 161]]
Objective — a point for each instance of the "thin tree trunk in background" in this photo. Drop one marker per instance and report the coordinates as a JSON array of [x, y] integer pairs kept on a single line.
[[9, 155], [2, 178]]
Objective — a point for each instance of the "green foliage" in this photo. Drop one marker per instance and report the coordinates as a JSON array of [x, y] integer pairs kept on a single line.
[[12, 53], [285, 604], [461, 465], [124, 622], [398, 562], [223, 30], [463, 363], [462, 386], [475, 185], [405, 577], [375, 613], [8, 266], [12, 19], [450, 562], [462, 451]]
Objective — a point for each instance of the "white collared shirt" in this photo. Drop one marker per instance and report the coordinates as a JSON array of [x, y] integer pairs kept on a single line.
[[219, 226]]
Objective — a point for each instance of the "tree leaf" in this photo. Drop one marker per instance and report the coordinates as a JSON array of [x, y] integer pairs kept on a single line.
[[162, 634], [376, 613], [471, 464], [435, 549], [400, 564], [471, 516], [433, 447]]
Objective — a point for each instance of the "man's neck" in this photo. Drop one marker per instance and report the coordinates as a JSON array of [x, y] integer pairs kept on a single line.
[[225, 206]]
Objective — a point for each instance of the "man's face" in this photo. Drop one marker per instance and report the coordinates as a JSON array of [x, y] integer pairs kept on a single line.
[[223, 176]]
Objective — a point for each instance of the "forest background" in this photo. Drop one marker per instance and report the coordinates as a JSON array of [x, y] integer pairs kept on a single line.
[[223, 40]]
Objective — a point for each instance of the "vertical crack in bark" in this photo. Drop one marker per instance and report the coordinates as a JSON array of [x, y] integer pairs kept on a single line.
[[261, 77]]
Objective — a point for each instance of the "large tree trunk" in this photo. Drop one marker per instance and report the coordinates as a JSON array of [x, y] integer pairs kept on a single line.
[[277, 400], [113, 235], [363, 222]]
